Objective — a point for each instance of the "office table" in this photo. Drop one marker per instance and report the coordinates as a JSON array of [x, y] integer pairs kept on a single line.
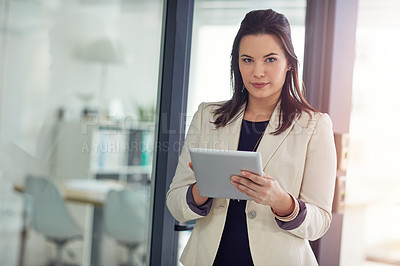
[[388, 253], [86, 191]]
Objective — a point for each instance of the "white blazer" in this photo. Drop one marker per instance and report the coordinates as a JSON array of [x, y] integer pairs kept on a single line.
[[302, 159]]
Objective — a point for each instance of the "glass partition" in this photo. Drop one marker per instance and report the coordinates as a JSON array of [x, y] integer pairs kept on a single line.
[[78, 89], [215, 25]]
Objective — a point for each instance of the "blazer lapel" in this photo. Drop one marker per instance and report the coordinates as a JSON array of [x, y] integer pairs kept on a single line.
[[270, 143], [229, 135]]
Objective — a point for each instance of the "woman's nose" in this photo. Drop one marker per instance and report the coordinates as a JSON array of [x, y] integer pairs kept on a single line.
[[259, 71]]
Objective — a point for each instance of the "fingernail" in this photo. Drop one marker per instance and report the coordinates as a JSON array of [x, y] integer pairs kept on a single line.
[[243, 173]]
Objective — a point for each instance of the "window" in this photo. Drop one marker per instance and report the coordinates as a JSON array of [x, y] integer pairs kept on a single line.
[[372, 212]]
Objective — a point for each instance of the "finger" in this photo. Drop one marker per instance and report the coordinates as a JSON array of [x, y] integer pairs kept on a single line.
[[254, 191], [191, 165], [247, 190], [250, 190], [260, 180], [243, 183]]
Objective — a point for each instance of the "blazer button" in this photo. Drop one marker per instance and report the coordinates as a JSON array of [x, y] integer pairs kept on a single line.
[[252, 214]]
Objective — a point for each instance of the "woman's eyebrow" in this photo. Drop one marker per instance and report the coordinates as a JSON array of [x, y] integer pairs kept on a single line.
[[270, 54]]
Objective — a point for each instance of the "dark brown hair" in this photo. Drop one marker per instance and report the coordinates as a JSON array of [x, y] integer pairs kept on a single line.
[[292, 100]]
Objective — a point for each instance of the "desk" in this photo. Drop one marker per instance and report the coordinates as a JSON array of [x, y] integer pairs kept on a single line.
[[93, 192], [85, 191], [388, 253]]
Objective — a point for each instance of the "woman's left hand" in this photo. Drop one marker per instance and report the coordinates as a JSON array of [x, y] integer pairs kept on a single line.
[[264, 190]]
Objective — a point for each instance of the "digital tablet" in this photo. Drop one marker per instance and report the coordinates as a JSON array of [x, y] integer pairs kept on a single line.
[[213, 170]]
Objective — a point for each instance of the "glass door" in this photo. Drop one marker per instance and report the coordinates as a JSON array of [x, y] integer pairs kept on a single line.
[[78, 93], [210, 59]]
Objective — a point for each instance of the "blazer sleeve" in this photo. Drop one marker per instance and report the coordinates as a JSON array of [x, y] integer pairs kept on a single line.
[[318, 184], [184, 176]]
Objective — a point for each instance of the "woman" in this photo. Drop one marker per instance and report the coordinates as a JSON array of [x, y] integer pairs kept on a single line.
[[292, 202]]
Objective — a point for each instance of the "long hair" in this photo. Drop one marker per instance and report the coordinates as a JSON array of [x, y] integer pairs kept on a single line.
[[292, 99]]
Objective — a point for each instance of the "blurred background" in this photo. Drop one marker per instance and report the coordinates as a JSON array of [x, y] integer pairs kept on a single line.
[[79, 88]]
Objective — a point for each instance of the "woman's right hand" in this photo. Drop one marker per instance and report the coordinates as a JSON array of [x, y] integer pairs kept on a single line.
[[199, 200]]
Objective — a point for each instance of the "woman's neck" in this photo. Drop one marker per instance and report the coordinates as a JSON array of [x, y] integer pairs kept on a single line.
[[259, 110]]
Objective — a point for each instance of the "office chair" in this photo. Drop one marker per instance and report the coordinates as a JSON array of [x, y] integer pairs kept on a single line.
[[50, 215], [125, 214]]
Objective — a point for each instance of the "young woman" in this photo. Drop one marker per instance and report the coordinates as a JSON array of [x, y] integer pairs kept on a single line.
[[291, 203]]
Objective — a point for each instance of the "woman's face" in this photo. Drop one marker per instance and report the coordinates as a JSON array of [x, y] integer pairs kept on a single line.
[[263, 66]]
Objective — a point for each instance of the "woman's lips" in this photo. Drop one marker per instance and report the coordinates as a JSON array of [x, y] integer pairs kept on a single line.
[[259, 85]]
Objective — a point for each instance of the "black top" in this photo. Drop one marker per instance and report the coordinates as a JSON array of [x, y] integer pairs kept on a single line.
[[234, 247]]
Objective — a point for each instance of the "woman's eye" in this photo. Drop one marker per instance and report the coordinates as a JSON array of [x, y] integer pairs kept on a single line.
[[247, 60], [270, 60]]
